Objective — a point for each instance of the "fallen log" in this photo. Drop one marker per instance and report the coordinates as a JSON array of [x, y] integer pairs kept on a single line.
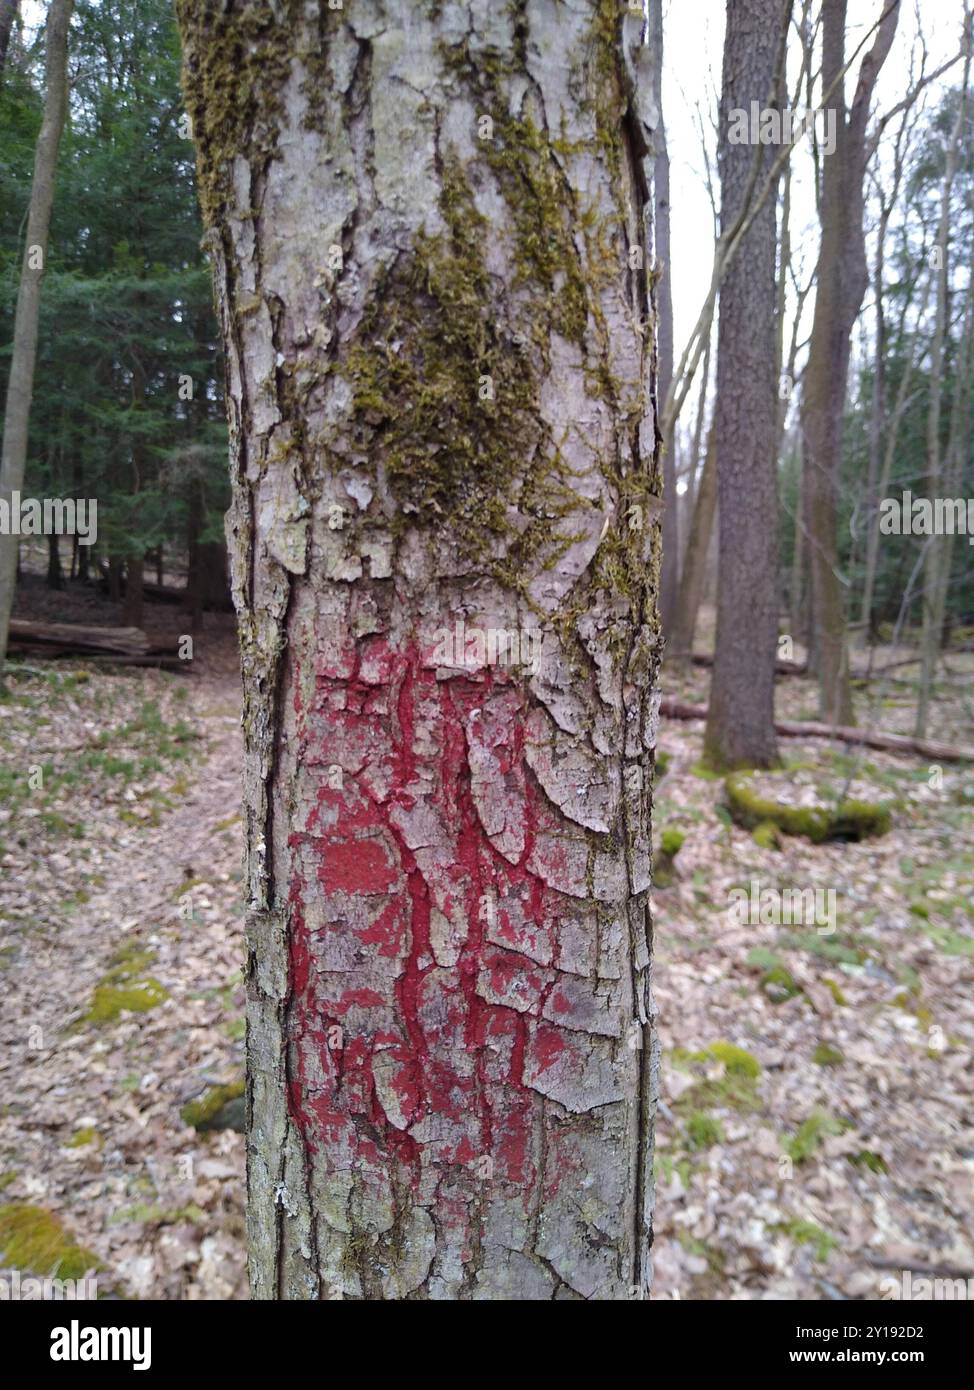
[[782, 667], [866, 738], [122, 646], [75, 637]]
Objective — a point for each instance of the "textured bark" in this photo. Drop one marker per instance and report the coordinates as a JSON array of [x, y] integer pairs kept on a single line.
[[20, 383], [740, 728], [452, 1057], [841, 280], [670, 563]]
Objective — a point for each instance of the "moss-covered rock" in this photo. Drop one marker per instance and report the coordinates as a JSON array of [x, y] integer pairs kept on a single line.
[[763, 799], [33, 1238], [221, 1107]]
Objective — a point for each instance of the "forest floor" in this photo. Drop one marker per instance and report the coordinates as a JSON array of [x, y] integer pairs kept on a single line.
[[816, 1128]]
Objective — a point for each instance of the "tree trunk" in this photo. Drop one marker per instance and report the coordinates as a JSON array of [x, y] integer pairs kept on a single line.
[[841, 280], [670, 569], [55, 574], [877, 426], [20, 383], [444, 539], [740, 728], [115, 567], [134, 592], [83, 552], [936, 568], [8, 13], [796, 594], [194, 559], [695, 561]]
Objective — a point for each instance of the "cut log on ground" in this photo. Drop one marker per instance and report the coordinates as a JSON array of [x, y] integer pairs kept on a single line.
[[866, 738], [122, 646], [782, 667]]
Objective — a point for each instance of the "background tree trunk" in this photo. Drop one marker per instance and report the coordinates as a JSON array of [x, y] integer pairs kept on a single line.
[[132, 609], [936, 567], [20, 384], [695, 557], [670, 571], [439, 412], [841, 277], [740, 726], [8, 13]]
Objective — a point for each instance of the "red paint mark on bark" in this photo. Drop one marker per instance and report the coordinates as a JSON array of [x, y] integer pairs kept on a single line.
[[548, 1047], [356, 866], [440, 1049]]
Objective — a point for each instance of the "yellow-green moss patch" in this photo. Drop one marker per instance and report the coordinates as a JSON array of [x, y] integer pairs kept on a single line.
[[83, 1137], [125, 986], [671, 842], [32, 1238], [818, 820], [109, 1002]]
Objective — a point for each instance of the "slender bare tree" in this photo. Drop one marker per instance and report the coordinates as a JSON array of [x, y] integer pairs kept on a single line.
[[8, 13], [20, 384], [671, 562], [841, 280], [939, 550]]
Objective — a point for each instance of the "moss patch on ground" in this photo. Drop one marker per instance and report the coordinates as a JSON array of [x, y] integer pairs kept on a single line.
[[845, 819], [126, 987], [32, 1238], [221, 1107], [671, 842]]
